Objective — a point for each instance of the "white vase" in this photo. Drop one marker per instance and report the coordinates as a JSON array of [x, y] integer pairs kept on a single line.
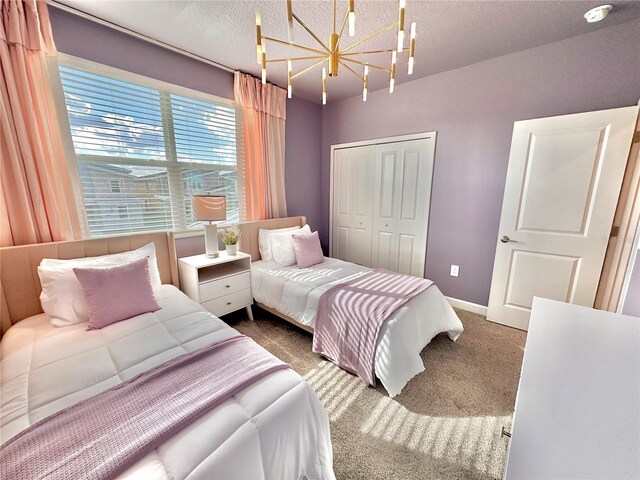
[[232, 249]]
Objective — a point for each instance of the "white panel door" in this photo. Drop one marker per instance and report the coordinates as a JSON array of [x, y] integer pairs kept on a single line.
[[401, 205], [561, 192], [352, 199], [385, 208], [341, 183]]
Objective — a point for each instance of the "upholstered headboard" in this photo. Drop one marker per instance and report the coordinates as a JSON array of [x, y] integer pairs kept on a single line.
[[19, 282], [249, 239]]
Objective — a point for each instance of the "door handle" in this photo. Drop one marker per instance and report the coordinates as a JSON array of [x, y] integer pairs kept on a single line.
[[505, 239]]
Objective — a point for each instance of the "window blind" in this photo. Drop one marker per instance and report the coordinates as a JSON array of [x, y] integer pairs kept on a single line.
[[142, 152]]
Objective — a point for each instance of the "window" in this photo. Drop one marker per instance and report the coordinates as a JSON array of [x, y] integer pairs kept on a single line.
[[143, 151]]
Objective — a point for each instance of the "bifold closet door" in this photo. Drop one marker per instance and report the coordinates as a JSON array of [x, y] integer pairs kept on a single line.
[[353, 183], [402, 192]]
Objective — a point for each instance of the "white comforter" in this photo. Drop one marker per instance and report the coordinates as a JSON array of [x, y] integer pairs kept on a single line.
[[295, 292], [276, 428]]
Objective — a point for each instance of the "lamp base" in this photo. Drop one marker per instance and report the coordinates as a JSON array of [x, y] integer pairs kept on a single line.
[[211, 240]]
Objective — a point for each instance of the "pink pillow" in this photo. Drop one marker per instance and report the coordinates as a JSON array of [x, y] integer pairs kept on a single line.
[[117, 293], [308, 250]]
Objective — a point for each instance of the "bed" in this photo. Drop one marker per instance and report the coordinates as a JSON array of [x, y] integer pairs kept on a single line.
[[293, 294], [275, 428]]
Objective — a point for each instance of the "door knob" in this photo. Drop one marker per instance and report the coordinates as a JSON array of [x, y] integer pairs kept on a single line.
[[505, 239]]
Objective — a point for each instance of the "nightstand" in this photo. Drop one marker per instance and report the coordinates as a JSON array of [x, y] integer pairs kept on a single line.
[[221, 285]]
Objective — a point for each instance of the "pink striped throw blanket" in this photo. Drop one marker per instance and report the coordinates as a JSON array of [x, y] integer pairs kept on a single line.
[[351, 314], [100, 437]]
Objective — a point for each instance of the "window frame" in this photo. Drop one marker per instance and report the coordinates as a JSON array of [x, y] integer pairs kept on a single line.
[[171, 163]]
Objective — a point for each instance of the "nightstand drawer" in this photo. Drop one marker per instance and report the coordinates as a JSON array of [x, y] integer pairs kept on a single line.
[[229, 303], [224, 286]]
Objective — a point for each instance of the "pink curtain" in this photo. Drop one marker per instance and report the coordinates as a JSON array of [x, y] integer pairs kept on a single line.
[[37, 202], [263, 124]]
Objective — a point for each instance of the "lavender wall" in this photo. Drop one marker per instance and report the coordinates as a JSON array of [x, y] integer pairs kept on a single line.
[[473, 110], [632, 301], [304, 160], [86, 39]]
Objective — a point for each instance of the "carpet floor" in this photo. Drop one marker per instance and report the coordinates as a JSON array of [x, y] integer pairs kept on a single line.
[[445, 424]]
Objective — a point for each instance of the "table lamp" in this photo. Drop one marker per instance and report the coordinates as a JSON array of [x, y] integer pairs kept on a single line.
[[209, 208]]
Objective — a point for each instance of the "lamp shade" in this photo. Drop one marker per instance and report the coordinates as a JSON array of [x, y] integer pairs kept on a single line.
[[209, 208]]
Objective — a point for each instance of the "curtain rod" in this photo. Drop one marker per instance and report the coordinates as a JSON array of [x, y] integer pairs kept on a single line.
[[132, 33]]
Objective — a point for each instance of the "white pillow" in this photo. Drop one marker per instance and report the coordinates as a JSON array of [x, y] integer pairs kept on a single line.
[[282, 246], [263, 241], [62, 298]]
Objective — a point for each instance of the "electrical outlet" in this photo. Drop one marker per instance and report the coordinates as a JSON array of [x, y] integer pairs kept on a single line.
[[455, 270]]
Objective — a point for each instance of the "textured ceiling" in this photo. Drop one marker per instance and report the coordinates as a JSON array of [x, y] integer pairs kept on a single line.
[[451, 34]]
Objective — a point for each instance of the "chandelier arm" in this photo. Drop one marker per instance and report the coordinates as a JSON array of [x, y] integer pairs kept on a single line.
[[291, 44], [293, 59], [344, 22], [315, 37], [352, 70], [302, 72], [369, 37], [388, 50], [334, 16], [385, 69]]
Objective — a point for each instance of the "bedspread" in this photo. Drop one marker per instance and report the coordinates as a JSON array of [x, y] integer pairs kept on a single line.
[[295, 292], [351, 314], [275, 428]]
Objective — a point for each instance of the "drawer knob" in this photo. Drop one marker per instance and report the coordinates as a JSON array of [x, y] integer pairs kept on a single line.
[[228, 286], [228, 303]]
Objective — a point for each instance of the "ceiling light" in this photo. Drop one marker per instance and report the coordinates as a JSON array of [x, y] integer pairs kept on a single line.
[[598, 13], [332, 55], [352, 18], [412, 48]]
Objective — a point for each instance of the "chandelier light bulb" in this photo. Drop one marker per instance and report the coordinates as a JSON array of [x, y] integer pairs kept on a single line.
[[392, 84], [394, 57], [352, 18], [264, 64], [289, 85], [365, 85], [290, 20], [412, 48], [259, 36], [402, 5], [324, 85], [400, 40]]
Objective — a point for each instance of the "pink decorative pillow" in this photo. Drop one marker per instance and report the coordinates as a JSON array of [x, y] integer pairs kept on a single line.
[[308, 250], [117, 293]]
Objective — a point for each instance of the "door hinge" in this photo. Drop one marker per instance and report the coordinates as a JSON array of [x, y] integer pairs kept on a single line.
[[636, 137], [614, 231]]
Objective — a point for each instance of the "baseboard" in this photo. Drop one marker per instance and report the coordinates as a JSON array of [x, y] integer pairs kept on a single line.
[[468, 306]]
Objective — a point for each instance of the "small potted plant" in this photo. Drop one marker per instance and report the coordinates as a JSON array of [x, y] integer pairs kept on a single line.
[[230, 237]]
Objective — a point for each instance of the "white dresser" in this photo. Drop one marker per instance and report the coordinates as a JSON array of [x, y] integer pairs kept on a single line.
[[222, 284], [577, 411]]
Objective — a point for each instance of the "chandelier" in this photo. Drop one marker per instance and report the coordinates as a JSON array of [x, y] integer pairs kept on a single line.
[[334, 54]]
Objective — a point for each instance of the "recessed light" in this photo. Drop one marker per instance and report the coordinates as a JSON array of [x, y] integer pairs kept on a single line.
[[598, 13]]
